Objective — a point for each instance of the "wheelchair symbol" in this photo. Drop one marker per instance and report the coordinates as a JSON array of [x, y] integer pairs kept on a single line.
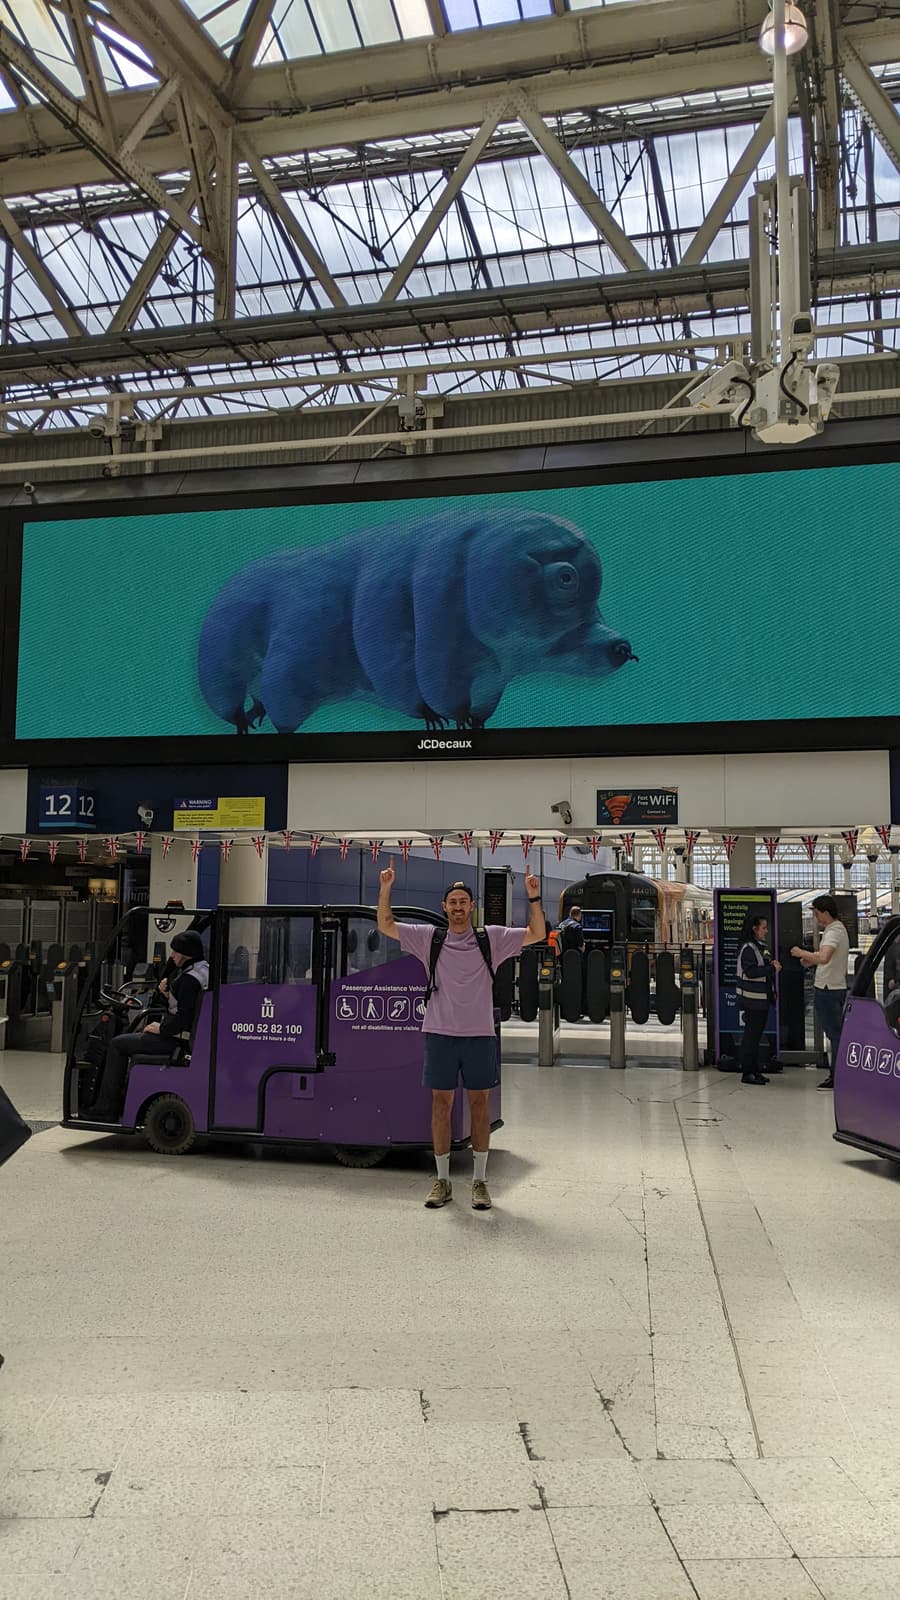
[[854, 1054], [347, 1008]]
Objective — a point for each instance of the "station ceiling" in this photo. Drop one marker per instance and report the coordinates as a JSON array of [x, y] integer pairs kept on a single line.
[[316, 193]]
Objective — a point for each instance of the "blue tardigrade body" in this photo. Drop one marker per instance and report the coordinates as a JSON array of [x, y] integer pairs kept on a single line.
[[435, 622]]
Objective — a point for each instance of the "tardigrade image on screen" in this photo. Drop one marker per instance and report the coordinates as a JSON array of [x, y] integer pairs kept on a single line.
[[434, 623]]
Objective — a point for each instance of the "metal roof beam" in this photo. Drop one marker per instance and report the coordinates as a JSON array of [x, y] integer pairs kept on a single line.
[[444, 201], [574, 180], [277, 204], [418, 105], [484, 314], [879, 112], [731, 190], [44, 280], [75, 116], [247, 47], [177, 43], [151, 268]]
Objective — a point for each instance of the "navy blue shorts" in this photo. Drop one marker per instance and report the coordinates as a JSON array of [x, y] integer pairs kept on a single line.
[[448, 1058]]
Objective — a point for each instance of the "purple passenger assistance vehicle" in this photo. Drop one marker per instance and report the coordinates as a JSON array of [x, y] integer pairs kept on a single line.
[[309, 1033], [867, 1069]]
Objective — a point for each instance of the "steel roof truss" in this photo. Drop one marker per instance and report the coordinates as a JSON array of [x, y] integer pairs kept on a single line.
[[575, 181]]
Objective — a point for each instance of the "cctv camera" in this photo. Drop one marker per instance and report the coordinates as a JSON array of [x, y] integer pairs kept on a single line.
[[97, 430], [802, 334], [564, 812], [145, 814], [28, 488]]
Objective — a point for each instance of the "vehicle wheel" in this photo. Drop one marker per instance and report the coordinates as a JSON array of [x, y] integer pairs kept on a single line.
[[359, 1155], [169, 1126]]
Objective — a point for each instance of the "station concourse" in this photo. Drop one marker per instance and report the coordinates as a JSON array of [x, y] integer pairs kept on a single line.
[[449, 800]]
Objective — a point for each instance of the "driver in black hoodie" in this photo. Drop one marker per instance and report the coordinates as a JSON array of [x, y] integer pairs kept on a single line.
[[181, 995]]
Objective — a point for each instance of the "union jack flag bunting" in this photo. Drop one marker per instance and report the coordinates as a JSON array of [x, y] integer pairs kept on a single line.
[[527, 841], [140, 840], [405, 847], [287, 835], [884, 834], [729, 840], [771, 842], [851, 839], [810, 841], [627, 843], [112, 843], [196, 847], [594, 842], [167, 843], [691, 836], [344, 846], [659, 837], [24, 849], [495, 835], [53, 850], [259, 844], [82, 849], [466, 839], [375, 845], [315, 841], [225, 847], [560, 841], [437, 845]]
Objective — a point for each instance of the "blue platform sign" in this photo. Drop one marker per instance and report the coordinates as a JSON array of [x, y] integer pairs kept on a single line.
[[65, 805]]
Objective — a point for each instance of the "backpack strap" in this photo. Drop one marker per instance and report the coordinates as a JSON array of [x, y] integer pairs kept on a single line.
[[484, 945], [437, 944]]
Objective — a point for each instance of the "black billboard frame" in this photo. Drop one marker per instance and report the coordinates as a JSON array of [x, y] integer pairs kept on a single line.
[[57, 503]]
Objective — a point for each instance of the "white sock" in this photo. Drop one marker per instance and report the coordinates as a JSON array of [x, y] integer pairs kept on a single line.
[[480, 1165], [443, 1167]]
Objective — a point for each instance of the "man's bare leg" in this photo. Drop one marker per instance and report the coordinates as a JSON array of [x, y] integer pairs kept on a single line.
[[479, 1110], [441, 1116]]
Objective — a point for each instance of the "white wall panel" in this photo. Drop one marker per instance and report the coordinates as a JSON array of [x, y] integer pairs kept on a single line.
[[817, 788], [766, 792], [13, 799]]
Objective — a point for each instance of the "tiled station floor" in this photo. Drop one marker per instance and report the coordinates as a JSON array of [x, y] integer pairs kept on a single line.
[[666, 1365]]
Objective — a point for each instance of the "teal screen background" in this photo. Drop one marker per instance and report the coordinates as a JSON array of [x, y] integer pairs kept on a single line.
[[740, 594]]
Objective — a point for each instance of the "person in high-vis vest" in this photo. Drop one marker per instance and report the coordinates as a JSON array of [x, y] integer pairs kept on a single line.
[[756, 969]]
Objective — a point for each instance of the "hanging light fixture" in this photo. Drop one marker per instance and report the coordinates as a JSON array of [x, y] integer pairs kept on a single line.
[[796, 32]]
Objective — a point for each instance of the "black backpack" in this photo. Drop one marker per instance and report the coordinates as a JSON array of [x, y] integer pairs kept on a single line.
[[437, 945]]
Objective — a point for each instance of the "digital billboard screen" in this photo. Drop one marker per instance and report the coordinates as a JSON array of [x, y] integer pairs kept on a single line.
[[560, 619]]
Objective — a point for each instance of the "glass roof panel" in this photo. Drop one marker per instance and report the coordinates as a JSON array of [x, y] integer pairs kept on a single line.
[[45, 32], [317, 27], [222, 19]]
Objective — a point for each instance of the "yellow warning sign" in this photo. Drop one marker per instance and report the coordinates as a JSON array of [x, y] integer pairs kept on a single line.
[[229, 811]]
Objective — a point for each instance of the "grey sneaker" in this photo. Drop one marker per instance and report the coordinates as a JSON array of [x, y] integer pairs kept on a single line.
[[441, 1192], [481, 1200]]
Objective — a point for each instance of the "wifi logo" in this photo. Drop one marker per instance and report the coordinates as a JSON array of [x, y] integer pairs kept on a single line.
[[617, 805]]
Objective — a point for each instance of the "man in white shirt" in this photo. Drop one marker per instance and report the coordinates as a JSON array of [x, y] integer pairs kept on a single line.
[[830, 962]]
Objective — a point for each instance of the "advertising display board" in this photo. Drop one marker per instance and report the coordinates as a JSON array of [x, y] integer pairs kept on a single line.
[[613, 617], [733, 909]]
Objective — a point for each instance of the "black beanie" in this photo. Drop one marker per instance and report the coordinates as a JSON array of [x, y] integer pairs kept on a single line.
[[188, 944]]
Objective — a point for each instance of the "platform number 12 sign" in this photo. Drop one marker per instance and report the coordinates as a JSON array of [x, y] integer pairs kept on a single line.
[[65, 806]]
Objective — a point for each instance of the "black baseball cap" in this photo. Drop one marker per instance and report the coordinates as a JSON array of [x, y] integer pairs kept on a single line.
[[459, 885]]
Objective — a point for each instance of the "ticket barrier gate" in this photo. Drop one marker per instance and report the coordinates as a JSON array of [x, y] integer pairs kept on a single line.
[[618, 978], [690, 1045], [548, 1010], [63, 988]]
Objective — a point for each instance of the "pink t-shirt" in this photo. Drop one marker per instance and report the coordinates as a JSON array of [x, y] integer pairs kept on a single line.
[[462, 1003]]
